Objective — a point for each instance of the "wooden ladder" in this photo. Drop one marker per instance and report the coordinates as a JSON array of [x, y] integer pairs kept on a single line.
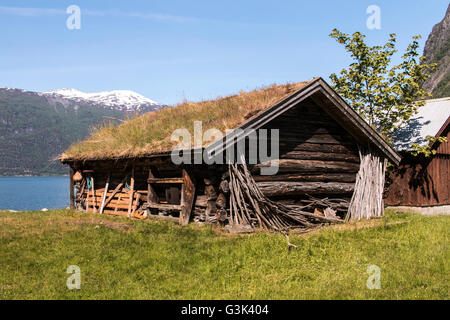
[[187, 195]]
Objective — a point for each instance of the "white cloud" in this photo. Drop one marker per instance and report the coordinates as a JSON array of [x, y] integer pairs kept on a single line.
[[30, 12], [36, 12]]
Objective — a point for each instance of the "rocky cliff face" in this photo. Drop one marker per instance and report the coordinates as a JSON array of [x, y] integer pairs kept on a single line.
[[437, 49]]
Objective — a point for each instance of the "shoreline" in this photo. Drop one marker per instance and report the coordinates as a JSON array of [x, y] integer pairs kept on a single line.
[[24, 175]]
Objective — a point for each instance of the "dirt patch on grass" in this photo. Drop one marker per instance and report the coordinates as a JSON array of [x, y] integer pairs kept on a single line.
[[100, 223], [350, 226], [353, 226]]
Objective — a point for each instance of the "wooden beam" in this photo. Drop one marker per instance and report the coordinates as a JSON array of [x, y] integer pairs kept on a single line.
[[319, 177], [152, 196], [71, 197], [201, 201], [283, 188], [330, 156], [117, 203], [165, 180], [102, 206], [131, 192], [119, 186], [136, 202], [94, 201], [187, 198], [292, 165]]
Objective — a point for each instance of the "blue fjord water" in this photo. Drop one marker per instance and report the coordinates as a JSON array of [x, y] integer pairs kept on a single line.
[[34, 193]]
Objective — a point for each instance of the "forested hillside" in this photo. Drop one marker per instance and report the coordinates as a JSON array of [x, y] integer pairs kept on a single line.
[[34, 130]]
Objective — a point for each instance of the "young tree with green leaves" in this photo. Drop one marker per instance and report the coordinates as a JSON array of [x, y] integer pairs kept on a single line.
[[385, 96]]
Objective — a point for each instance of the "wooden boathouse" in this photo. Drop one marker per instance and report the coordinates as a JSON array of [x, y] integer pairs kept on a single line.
[[331, 163]]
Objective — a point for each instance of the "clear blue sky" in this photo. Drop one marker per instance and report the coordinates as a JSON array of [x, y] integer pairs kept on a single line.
[[170, 50]]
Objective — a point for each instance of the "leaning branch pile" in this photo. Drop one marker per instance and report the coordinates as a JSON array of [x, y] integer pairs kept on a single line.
[[367, 200], [249, 206]]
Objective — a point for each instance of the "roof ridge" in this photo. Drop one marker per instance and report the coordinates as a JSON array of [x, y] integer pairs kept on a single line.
[[437, 99]]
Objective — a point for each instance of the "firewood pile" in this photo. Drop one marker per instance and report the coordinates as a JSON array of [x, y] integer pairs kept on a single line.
[[249, 207]]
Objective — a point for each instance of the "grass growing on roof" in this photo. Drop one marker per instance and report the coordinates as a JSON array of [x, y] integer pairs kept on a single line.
[[151, 132], [127, 259]]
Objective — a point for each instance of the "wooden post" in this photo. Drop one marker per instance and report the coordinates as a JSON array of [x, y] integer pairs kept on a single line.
[[87, 195], [182, 202], [187, 198], [105, 193], [94, 201], [131, 192], [152, 196], [71, 197], [136, 203]]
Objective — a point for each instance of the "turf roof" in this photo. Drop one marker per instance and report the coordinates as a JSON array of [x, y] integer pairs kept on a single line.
[[151, 133]]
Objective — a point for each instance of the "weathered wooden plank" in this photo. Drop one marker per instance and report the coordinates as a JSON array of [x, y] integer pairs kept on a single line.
[[152, 196], [325, 177], [144, 198], [173, 195], [104, 194], [290, 165], [124, 196], [165, 180], [315, 138], [310, 155], [71, 188], [131, 192], [117, 204], [115, 191], [283, 188], [136, 203], [187, 198], [120, 205], [329, 148], [94, 201], [201, 201], [299, 127]]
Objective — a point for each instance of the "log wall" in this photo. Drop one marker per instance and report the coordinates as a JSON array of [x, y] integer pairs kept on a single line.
[[317, 157]]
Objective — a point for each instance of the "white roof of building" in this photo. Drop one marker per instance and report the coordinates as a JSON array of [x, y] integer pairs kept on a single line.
[[427, 122]]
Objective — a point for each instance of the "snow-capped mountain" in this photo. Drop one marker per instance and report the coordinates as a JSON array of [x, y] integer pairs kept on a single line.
[[124, 100]]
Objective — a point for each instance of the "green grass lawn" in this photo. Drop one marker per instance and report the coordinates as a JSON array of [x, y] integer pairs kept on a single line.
[[126, 259]]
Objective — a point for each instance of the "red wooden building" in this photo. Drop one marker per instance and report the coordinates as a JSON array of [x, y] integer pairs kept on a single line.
[[422, 183]]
